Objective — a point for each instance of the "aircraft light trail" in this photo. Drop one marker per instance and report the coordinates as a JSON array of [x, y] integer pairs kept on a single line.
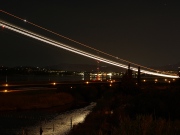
[[74, 50], [72, 40]]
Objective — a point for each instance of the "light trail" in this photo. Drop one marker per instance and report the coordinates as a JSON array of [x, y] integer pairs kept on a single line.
[[72, 40], [74, 50]]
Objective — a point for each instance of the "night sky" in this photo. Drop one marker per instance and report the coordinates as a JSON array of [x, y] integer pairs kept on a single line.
[[145, 32]]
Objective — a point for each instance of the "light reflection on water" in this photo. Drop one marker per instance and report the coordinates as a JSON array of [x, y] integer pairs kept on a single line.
[[54, 78], [51, 123], [38, 78]]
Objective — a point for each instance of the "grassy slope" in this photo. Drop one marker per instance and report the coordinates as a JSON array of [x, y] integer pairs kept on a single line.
[[33, 100]]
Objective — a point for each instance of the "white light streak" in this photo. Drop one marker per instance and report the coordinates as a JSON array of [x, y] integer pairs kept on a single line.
[[74, 50]]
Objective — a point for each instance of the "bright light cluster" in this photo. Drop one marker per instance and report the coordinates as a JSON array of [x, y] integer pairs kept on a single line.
[[74, 50]]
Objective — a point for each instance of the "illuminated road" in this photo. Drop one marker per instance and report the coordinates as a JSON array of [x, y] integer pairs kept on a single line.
[[77, 51], [52, 123]]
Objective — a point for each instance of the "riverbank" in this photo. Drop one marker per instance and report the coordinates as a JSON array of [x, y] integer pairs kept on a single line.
[[15, 101], [62, 97]]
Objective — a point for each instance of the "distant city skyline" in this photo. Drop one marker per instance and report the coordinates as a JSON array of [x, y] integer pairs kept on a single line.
[[146, 33]]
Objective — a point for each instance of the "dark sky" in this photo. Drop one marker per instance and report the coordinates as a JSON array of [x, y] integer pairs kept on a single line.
[[145, 32]]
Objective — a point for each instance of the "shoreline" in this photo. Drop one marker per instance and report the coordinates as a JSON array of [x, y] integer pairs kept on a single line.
[[35, 101], [60, 108]]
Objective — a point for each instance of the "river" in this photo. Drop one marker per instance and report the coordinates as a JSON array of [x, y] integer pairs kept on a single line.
[[53, 78]]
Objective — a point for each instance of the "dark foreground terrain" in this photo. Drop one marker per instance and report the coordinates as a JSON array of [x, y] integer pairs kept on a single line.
[[128, 109], [122, 108]]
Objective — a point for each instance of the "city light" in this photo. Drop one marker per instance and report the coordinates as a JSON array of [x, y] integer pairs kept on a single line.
[[6, 85], [110, 74]]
